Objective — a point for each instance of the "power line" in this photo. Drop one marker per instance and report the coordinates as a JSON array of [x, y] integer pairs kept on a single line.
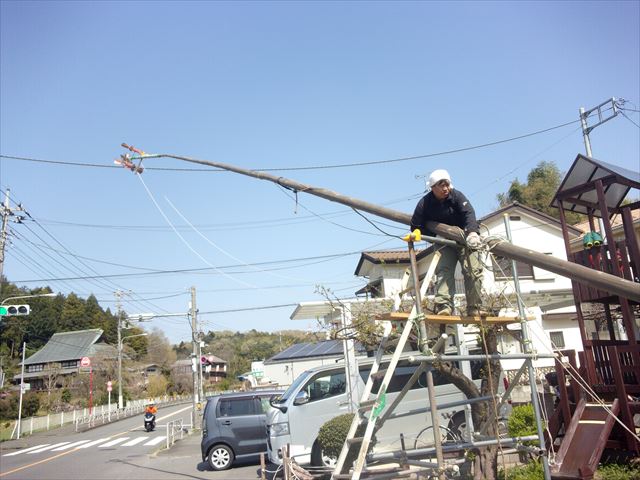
[[315, 167], [195, 270], [247, 309]]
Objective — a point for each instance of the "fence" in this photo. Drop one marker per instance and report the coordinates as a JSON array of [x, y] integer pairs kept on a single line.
[[135, 407], [173, 428], [80, 417]]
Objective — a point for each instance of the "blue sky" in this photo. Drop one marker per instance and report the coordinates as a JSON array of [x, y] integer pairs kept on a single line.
[[280, 85]]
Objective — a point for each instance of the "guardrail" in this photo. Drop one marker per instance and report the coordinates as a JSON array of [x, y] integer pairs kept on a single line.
[[172, 431]]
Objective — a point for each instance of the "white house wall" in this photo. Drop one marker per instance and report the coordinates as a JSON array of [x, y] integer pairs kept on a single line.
[[533, 233]]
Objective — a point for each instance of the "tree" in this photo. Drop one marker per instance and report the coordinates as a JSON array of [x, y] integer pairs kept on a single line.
[[136, 347], [542, 183], [51, 380], [159, 348], [157, 386], [73, 314]]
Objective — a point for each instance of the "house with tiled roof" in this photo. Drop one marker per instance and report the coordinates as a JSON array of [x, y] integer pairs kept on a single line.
[[61, 356], [214, 369]]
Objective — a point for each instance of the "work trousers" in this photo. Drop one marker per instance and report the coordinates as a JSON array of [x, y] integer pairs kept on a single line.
[[472, 271]]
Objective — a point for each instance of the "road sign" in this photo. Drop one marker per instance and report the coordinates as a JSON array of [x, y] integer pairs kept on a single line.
[[109, 386], [85, 362]]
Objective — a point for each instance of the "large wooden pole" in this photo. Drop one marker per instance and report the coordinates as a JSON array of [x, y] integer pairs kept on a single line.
[[603, 281]]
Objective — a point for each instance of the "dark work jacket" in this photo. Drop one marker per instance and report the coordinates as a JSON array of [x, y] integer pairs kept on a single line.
[[455, 210]]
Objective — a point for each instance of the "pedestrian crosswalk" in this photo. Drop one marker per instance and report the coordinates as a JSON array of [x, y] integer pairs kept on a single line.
[[106, 442]]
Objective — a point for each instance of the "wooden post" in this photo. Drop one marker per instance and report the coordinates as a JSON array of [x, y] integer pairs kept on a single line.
[[285, 462], [621, 392], [263, 467]]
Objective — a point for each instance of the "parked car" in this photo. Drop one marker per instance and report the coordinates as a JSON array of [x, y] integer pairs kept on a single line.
[[234, 427]]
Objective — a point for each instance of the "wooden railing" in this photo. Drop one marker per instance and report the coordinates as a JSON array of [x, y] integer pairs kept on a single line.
[[599, 258]]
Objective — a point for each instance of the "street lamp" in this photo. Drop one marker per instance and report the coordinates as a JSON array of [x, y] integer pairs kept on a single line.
[[29, 296]]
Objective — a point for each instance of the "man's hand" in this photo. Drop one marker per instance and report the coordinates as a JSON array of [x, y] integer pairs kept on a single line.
[[414, 236], [473, 241]]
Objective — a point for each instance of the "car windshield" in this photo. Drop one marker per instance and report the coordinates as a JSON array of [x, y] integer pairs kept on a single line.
[[294, 386]]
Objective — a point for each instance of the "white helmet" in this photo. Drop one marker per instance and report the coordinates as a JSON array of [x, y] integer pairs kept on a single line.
[[438, 175]]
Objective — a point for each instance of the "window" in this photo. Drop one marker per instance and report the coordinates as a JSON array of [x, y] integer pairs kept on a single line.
[[35, 368], [557, 338], [236, 407], [502, 269], [69, 364], [327, 385], [541, 274], [401, 377]]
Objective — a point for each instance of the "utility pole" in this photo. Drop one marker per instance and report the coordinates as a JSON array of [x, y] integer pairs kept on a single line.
[[579, 273], [586, 130], [118, 295], [24, 349], [584, 117], [195, 358], [7, 212]]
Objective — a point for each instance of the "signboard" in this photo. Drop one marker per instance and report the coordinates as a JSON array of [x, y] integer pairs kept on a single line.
[[25, 387], [85, 362], [109, 386], [257, 369]]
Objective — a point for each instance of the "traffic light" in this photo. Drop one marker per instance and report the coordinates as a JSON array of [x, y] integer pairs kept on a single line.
[[11, 310]]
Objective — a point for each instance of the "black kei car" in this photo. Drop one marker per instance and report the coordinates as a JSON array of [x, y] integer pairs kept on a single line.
[[234, 427]]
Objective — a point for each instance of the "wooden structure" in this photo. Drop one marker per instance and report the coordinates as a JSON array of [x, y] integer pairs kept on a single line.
[[610, 365]]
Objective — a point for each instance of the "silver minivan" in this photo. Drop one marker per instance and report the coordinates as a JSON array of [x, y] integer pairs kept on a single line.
[[320, 394]]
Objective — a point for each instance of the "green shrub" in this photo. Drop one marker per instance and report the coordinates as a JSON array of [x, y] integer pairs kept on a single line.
[[618, 472], [522, 421], [333, 434], [30, 404], [9, 407], [66, 395], [531, 471]]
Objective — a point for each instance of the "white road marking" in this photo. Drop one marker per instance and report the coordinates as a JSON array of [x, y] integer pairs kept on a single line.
[[133, 442], [71, 445], [95, 442], [49, 447], [114, 442], [25, 450], [155, 441]]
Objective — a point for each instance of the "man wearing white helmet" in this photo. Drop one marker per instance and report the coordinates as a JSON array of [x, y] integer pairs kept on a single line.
[[445, 205]]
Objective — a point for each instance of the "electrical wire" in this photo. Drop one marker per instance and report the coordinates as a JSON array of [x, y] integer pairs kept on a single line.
[[322, 167], [625, 116], [224, 252], [187, 244]]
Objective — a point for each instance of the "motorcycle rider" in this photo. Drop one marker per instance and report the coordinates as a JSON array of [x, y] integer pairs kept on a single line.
[[151, 408], [150, 411]]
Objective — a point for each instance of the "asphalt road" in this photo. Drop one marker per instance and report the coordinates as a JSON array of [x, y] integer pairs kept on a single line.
[[120, 450]]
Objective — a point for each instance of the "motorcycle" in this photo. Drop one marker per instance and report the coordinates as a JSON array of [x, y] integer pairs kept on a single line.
[[149, 421]]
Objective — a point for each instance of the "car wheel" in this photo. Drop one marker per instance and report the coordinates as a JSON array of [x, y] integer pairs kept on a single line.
[[321, 459], [220, 457]]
